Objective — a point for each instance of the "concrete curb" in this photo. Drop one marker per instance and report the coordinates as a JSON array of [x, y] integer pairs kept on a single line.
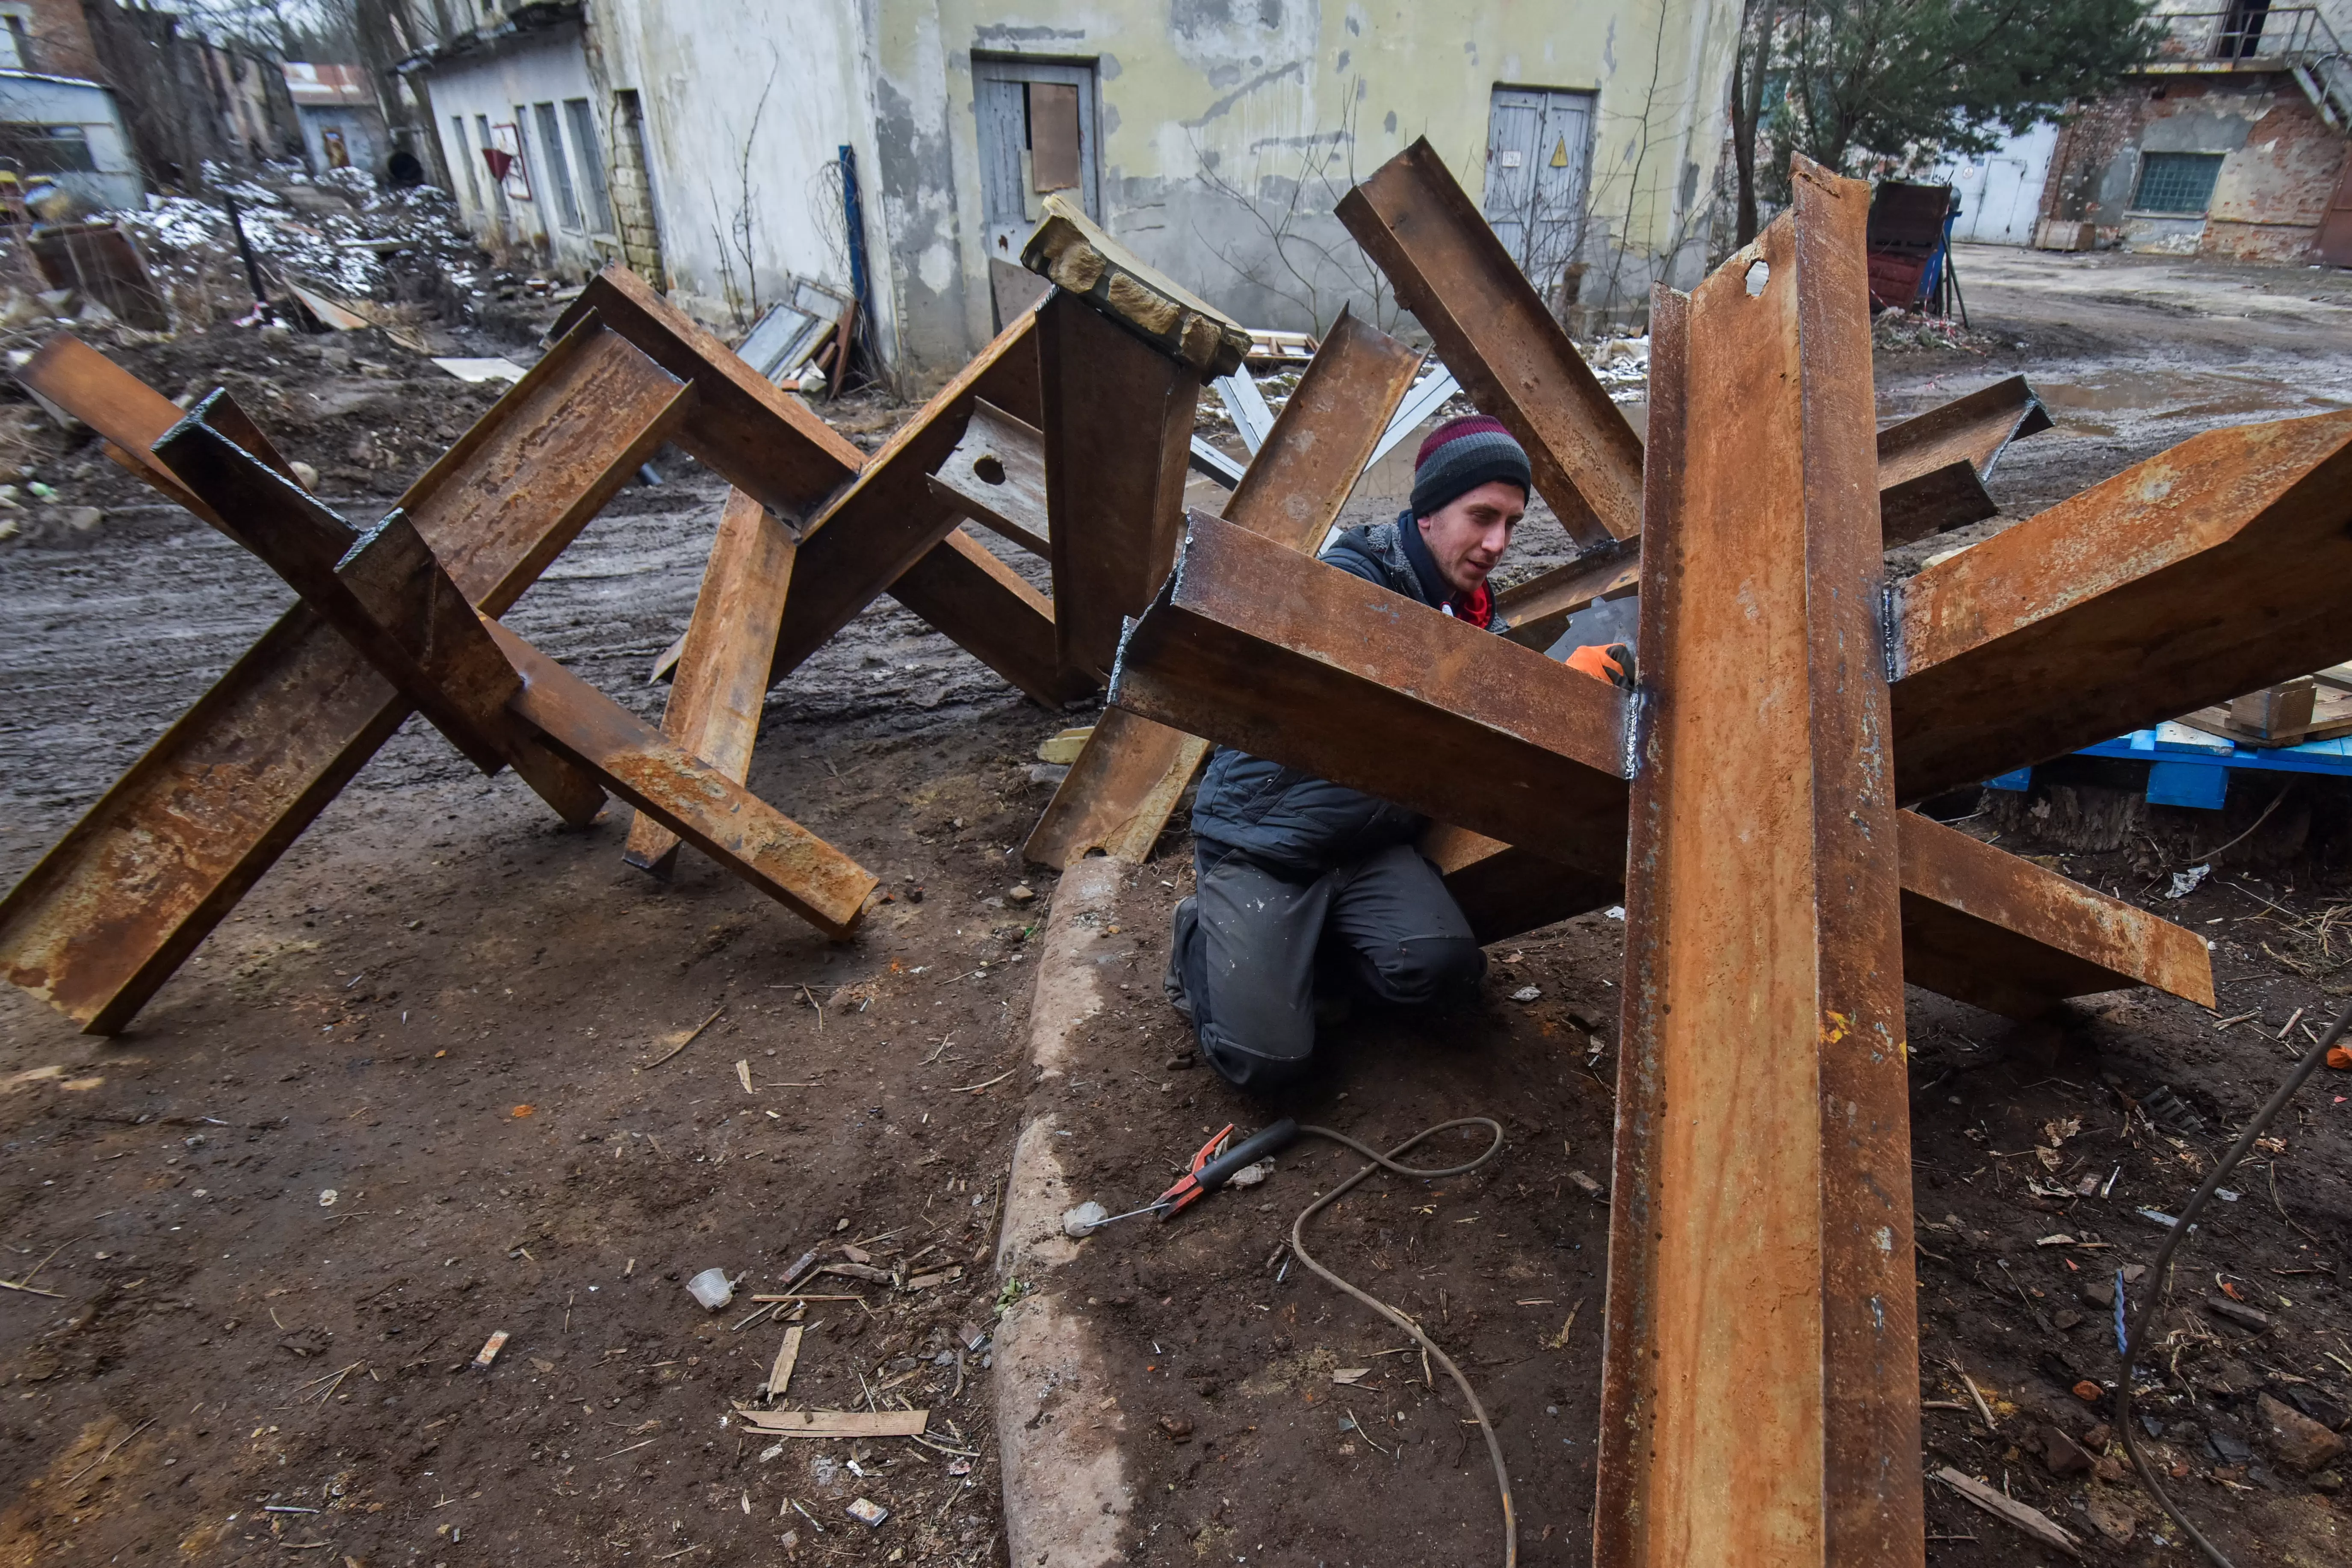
[[1058, 1423]]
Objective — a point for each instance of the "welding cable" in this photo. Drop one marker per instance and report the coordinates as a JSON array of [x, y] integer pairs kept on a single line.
[[1388, 1161], [2139, 1321]]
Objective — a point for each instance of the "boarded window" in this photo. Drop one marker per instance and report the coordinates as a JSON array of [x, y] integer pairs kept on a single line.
[[2180, 183], [559, 167], [1052, 136], [47, 149], [587, 146], [1037, 134]]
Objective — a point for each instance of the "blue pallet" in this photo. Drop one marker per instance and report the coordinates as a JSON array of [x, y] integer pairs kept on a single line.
[[2189, 767]]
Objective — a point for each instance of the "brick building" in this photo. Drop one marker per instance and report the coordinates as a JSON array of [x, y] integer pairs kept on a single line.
[[2231, 143]]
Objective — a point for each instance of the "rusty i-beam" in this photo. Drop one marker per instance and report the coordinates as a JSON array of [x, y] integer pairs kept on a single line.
[[1763, 1178]]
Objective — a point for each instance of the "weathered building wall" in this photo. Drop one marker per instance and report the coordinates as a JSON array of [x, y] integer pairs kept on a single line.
[[1214, 113], [744, 109], [2279, 165], [31, 104], [502, 82]]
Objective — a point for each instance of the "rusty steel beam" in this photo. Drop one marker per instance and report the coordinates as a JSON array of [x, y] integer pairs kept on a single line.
[[686, 795], [2056, 937], [961, 588], [1131, 772], [387, 596], [1495, 334], [2212, 569], [117, 905], [1118, 431], [996, 478], [1259, 647], [761, 438], [869, 539], [1932, 469], [721, 686], [1759, 1374]]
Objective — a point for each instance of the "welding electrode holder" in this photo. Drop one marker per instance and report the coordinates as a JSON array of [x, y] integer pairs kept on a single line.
[[1216, 1172]]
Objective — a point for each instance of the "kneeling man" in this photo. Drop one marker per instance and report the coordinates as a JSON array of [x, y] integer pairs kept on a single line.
[[1298, 876]]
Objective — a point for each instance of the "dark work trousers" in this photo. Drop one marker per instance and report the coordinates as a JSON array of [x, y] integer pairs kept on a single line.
[[1249, 944]]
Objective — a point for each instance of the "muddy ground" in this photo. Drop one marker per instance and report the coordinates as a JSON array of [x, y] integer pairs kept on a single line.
[[413, 1091]]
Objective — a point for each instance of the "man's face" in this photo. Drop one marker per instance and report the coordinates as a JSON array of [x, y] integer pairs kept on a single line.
[[1468, 536]]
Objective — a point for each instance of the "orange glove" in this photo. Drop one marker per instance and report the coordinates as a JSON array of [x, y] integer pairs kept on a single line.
[[1613, 663]]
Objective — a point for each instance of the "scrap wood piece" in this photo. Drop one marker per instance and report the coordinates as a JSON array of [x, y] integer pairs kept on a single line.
[[2209, 571], [996, 477], [1118, 422], [687, 796], [2009, 1510], [1761, 902], [1072, 251], [1496, 335], [169, 850], [1130, 773], [788, 1356], [721, 686], [837, 1423]]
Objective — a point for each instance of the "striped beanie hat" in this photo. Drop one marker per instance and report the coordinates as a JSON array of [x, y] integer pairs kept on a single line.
[[1461, 455]]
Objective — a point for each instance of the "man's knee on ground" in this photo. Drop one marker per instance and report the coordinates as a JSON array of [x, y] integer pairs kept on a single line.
[[1421, 968], [1252, 1070]]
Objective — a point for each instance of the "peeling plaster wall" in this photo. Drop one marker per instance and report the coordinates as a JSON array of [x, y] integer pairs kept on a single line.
[[2280, 163], [701, 68], [1210, 110]]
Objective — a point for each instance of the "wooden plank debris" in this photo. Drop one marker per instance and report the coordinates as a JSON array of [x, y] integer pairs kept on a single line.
[[837, 1423], [2009, 1510], [788, 1356]]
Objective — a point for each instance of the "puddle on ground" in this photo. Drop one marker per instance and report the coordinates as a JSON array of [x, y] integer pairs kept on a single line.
[[2173, 394]]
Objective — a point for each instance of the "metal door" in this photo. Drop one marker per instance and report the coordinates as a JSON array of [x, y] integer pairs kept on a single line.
[[1009, 172], [1997, 220], [1538, 154]]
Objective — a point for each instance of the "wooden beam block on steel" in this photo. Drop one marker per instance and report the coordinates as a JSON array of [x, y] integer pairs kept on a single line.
[[1759, 1378], [686, 795], [761, 437], [721, 686], [106, 917], [1498, 338], [996, 478], [1131, 772], [2209, 570], [1118, 430], [1070, 250]]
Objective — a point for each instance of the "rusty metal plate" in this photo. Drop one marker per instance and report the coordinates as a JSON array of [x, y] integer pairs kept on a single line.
[[106, 917], [2213, 568], [996, 477], [1760, 1384], [721, 686], [686, 794]]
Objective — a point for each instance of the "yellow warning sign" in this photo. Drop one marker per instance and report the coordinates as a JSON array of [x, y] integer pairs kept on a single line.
[[1560, 155]]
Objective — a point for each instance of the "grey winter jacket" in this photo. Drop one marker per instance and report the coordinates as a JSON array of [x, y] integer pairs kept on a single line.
[[1290, 821]]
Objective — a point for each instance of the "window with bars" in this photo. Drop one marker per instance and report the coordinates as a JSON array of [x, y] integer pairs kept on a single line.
[[2177, 182]]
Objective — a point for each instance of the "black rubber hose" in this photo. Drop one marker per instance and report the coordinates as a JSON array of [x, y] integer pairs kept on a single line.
[[2138, 1322]]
